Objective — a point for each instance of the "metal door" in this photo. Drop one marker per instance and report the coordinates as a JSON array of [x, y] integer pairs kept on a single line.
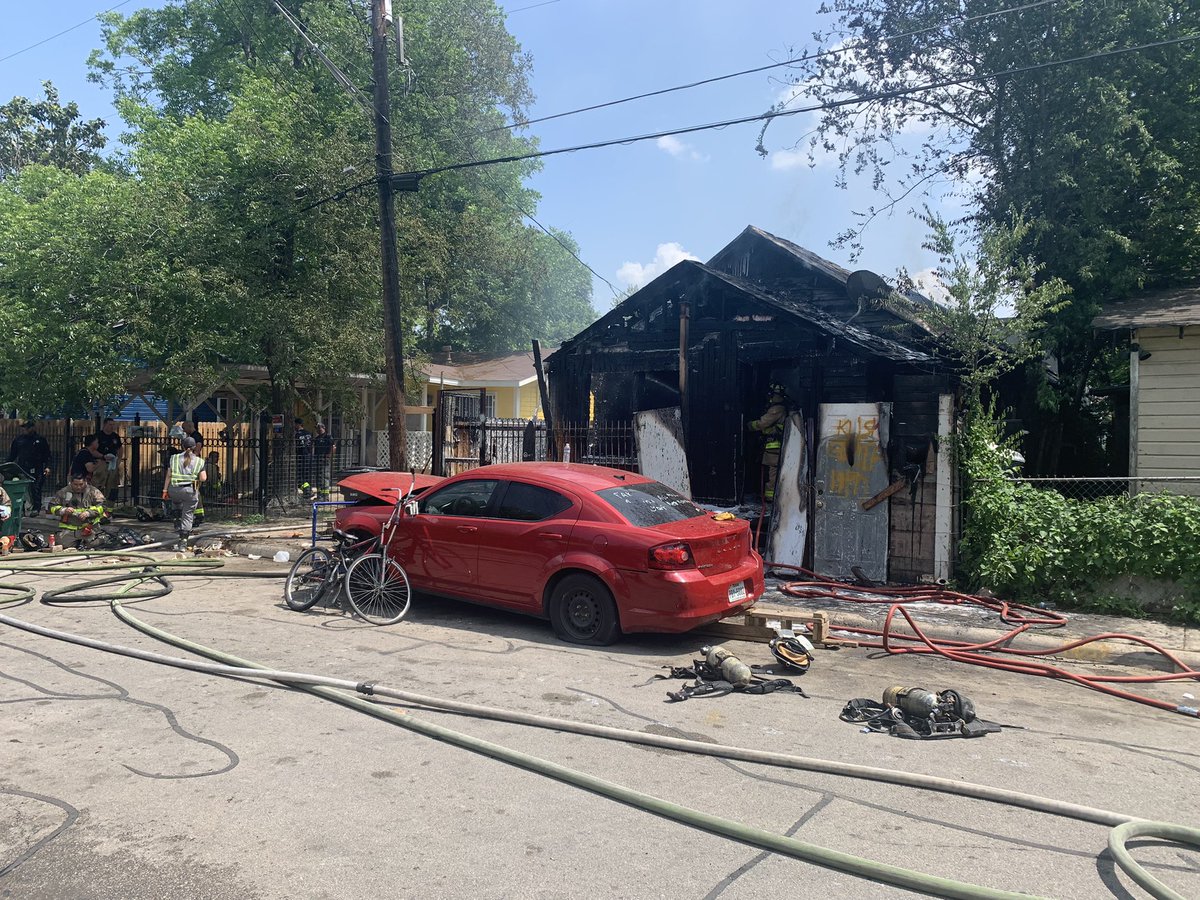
[[851, 467]]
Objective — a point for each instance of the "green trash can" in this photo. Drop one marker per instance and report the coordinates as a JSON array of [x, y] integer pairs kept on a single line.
[[16, 484]]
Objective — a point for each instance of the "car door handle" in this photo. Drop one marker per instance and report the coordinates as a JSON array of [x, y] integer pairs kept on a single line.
[[550, 536], [468, 529]]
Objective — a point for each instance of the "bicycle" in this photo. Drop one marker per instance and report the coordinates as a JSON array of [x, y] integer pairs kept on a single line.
[[375, 585]]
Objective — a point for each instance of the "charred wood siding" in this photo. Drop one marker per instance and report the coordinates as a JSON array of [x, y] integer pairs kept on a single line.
[[713, 420]]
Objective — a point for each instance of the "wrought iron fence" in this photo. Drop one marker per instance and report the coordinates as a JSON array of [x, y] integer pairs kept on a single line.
[[250, 470], [469, 443], [247, 472]]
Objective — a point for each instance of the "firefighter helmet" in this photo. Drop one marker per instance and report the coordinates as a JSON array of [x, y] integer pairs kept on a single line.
[[777, 390], [33, 540]]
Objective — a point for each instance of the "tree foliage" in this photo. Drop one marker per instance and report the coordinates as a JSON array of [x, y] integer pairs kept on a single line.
[[44, 132], [992, 320], [238, 225], [1098, 154]]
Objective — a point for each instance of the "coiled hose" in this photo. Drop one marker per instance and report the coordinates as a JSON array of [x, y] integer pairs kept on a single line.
[[337, 690]]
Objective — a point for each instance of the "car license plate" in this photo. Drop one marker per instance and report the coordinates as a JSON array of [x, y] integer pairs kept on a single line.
[[737, 592]]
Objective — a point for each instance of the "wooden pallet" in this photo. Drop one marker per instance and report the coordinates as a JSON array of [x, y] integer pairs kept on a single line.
[[762, 623]]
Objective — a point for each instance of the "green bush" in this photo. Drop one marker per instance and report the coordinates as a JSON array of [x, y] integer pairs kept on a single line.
[[1031, 544]]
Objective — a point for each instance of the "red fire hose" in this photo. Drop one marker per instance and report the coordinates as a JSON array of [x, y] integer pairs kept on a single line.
[[1020, 616]]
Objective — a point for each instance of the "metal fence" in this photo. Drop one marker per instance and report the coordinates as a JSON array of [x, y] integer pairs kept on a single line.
[[1096, 488], [248, 473], [469, 443], [250, 469]]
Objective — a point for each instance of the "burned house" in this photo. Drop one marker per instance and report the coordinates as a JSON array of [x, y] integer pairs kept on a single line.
[[865, 479]]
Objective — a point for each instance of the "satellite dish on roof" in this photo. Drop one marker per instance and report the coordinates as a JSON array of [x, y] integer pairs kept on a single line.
[[866, 284]]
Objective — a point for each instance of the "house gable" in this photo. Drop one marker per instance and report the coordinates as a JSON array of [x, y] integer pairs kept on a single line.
[[790, 271]]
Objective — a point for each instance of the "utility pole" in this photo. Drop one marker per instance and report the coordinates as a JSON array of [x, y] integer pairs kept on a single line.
[[381, 15]]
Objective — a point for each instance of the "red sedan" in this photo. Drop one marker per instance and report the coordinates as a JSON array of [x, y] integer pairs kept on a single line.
[[375, 493], [597, 551]]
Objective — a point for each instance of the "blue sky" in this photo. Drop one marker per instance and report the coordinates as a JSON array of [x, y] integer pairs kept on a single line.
[[634, 209]]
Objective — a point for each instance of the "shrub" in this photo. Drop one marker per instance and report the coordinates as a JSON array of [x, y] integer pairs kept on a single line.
[[1031, 544]]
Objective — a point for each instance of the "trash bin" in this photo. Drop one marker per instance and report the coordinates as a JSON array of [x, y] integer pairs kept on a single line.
[[16, 483]]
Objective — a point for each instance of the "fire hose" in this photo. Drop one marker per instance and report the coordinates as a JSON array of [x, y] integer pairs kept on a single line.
[[1023, 618], [352, 693]]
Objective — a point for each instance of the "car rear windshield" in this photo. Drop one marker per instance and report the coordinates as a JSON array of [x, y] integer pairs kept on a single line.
[[649, 504]]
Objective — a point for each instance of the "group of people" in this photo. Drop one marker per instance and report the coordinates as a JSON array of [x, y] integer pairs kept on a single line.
[[189, 476], [94, 471], [314, 454]]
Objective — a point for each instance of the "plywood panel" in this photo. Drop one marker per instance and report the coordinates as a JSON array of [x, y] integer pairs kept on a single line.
[[661, 455], [789, 522]]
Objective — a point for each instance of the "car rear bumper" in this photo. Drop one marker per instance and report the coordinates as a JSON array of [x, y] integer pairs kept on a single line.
[[680, 601]]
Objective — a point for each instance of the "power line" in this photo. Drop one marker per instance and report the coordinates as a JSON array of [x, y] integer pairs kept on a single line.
[[64, 31], [531, 6], [787, 62], [831, 104], [338, 75]]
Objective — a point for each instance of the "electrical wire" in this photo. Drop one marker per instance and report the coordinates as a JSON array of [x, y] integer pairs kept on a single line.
[[808, 57], [826, 105], [64, 31]]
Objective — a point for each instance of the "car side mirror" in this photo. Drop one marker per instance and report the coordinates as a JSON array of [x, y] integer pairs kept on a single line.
[[411, 508]]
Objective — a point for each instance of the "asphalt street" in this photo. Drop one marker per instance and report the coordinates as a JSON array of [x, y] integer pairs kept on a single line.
[[125, 779]]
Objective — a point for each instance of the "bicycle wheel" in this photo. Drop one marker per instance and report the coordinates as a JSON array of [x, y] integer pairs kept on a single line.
[[310, 579], [378, 589]]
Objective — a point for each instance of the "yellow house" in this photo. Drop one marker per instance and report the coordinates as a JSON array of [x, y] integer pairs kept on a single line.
[[509, 381]]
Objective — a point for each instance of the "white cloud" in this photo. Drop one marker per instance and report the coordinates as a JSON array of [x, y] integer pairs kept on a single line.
[[789, 159], [667, 255], [927, 282], [678, 149]]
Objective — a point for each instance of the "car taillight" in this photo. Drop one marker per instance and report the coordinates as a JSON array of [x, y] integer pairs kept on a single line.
[[671, 556]]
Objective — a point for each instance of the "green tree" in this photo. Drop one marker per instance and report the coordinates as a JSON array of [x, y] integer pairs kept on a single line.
[[1098, 154], [994, 315], [465, 251], [79, 263], [44, 132]]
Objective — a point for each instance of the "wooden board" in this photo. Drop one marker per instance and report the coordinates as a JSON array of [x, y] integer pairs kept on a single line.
[[661, 456], [789, 522]]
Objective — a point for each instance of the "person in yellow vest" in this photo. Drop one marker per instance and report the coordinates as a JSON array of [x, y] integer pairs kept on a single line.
[[181, 486], [770, 425], [77, 507]]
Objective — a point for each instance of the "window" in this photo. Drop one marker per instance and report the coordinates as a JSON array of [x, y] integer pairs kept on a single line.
[[650, 504], [466, 406], [466, 498], [530, 503]]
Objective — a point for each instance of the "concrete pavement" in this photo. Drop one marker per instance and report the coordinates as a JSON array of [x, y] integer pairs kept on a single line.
[[125, 779]]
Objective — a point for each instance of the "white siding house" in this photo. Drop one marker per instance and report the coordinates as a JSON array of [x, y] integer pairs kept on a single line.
[[1164, 382]]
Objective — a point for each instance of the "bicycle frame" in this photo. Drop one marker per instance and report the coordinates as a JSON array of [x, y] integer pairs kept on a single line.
[[393, 521]]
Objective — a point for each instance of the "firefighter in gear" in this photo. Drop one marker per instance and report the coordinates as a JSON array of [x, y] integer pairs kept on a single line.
[[77, 507], [770, 425], [181, 487]]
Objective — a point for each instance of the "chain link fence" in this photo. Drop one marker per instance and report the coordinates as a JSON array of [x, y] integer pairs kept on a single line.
[[1096, 488]]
